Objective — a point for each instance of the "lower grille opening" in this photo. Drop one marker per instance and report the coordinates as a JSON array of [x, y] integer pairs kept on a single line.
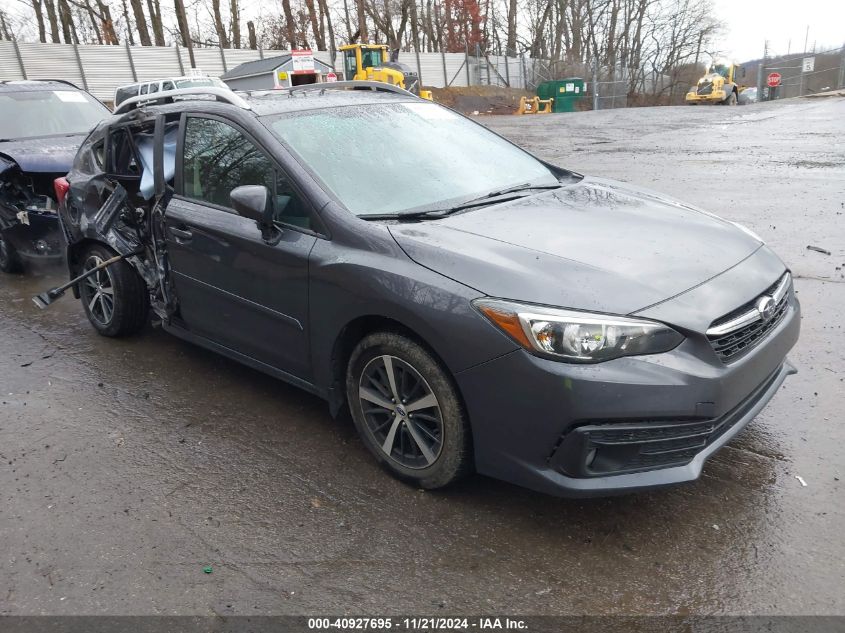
[[596, 449]]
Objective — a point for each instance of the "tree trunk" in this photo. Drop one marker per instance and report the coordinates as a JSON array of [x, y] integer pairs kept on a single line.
[[109, 34], [290, 24], [93, 16], [155, 19], [222, 37], [141, 22], [363, 36], [129, 36], [54, 20], [315, 25], [185, 33], [236, 23], [253, 40], [39, 16], [332, 50], [68, 25], [510, 47]]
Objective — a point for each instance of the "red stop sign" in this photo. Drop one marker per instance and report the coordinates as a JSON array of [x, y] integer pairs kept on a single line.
[[330, 77], [773, 80]]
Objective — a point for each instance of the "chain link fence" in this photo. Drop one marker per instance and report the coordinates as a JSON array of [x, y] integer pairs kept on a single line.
[[801, 74]]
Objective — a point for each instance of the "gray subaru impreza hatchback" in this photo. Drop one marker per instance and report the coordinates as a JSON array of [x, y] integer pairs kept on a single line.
[[473, 307]]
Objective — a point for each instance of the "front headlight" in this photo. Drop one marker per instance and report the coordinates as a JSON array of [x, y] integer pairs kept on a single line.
[[578, 337]]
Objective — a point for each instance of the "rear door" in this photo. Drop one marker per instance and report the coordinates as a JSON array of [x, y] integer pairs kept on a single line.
[[235, 286]]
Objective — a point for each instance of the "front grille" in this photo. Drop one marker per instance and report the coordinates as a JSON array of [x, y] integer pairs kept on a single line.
[[752, 329], [705, 88], [612, 448]]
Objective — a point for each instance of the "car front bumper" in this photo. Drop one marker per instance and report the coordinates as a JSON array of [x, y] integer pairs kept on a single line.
[[652, 420], [39, 240]]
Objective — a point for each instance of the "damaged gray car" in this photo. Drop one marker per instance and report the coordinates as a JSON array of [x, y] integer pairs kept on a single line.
[[42, 124], [472, 307]]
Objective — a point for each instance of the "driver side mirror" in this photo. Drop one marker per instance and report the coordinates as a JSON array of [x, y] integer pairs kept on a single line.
[[253, 202]]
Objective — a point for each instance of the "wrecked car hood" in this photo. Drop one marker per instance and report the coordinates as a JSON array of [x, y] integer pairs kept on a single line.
[[53, 154], [595, 245]]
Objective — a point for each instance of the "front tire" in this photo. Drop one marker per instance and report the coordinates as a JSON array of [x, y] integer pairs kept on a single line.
[[10, 261], [115, 299], [407, 411]]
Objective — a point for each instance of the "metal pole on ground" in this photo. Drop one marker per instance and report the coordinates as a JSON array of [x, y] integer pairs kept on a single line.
[[131, 62], [20, 58], [595, 86], [179, 60], [81, 69], [842, 69], [466, 61]]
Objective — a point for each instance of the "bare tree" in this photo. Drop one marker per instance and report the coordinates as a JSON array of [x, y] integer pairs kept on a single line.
[[141, 22], [39, 17], [253, 40], [222, 37], [154, 8], [236, 23], [52, 16], [290, 24], [184, 31]]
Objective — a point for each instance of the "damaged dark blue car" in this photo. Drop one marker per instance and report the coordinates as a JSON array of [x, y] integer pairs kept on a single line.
[[42, 124]]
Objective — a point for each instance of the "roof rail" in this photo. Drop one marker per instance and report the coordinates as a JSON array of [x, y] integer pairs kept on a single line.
[[41, 79], [352, 85], [221, 94]]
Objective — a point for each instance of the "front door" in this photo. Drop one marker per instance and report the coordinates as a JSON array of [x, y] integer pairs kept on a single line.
[[235, 286]]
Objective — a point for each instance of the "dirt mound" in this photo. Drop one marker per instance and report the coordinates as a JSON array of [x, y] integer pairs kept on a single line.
[[481, 99]]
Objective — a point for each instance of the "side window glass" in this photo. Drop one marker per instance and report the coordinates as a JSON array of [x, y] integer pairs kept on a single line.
[[218, 158], [144, 89], [288, 207], [167, 85], [153, 88], [122, 160]]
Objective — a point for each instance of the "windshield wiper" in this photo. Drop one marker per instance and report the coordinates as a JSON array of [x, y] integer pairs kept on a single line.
[[433, 214]]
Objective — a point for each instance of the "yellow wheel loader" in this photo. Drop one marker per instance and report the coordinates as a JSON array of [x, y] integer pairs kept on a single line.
[[371, 62], [719, 85]]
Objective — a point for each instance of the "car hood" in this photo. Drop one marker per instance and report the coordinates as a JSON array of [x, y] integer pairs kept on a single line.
[[596, 245], [52, 154]]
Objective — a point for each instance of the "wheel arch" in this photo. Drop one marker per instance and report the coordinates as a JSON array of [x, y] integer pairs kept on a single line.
[[74, 257], [354, 332]]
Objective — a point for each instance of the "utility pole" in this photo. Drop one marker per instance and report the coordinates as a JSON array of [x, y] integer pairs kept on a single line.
[[806, 38], [595, 86]]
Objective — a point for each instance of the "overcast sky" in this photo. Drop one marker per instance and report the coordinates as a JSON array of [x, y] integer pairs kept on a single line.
[[749, 23]]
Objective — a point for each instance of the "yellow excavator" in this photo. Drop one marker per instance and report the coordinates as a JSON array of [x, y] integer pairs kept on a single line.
[[720, 84], [371, 62]]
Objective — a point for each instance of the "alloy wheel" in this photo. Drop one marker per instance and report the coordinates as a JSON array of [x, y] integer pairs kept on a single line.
[[401, 412], [98, 292]]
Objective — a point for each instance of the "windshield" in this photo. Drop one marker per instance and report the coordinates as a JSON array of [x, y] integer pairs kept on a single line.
[[720, 69], [29, 114], [200, 82], [390, 158]]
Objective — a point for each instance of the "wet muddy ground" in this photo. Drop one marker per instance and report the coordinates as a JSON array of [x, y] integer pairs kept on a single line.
[[126, 467]]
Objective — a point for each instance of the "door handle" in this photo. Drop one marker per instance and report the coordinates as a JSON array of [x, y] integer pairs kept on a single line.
[[181, 235]]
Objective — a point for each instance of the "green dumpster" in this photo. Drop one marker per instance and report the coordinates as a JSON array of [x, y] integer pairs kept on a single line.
[[565, 92]]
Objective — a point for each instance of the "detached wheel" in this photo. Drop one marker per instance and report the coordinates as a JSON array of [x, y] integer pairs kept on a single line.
[[115, 298], [10, 262], [407, 411]]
